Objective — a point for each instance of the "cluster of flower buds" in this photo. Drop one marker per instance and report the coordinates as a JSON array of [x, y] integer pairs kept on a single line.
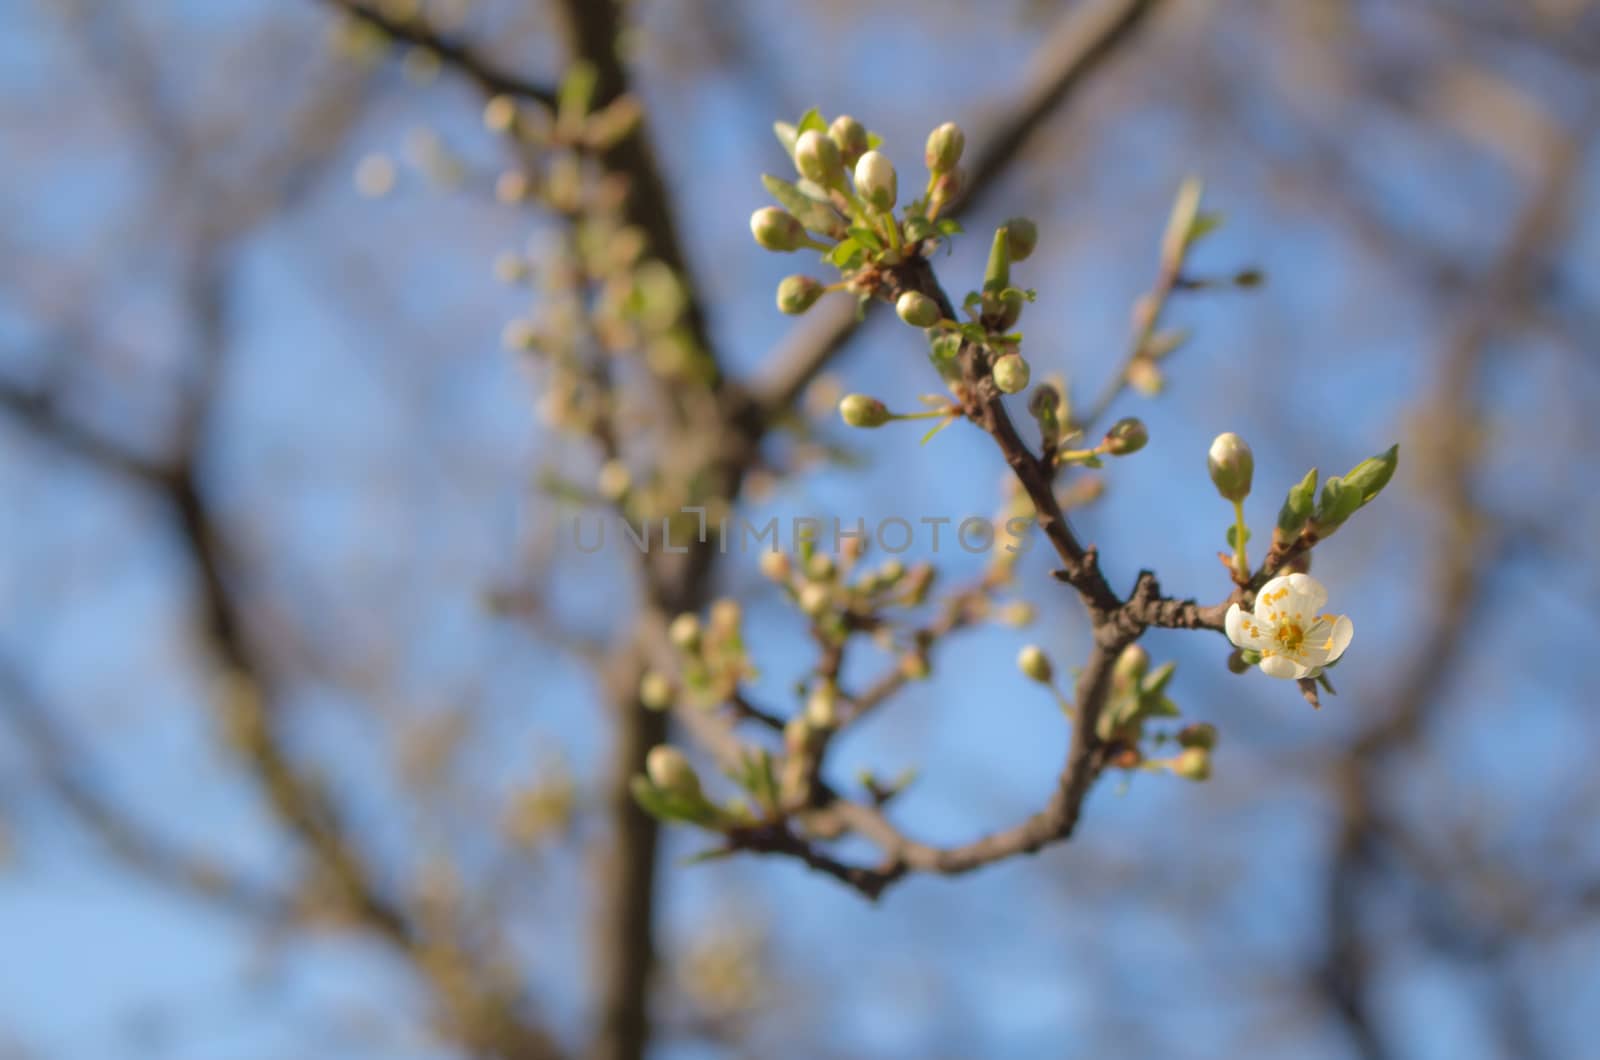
[[843, 202]]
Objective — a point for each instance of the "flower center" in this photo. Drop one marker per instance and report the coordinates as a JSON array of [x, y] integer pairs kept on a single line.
[[1289, 636]]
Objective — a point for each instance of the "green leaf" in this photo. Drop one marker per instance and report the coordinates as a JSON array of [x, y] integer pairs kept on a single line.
[[917, 228], [846, 256], [812, 119], [867, 238], [1232, 533], [874, 141], [1204, 224], [948, 226], [787, 134], [816, 216]]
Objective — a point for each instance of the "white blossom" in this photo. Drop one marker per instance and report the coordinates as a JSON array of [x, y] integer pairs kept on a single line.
[[1294, 639]]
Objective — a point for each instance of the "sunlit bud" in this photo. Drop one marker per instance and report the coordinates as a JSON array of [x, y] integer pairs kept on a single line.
[[726, 614], [1011, 373], [1194, 763], [655, 691], [1127, 435], [1022, 235], [1035, 664], [500, 114], [875, 180], [1232, 466], [796, 294], [1017, 613], [685, 632], [1130, 666], [1201, 734], [917, 309], [1145, 377], [944, 148], [776, 229], [775, 566], [670, 771], [817, 158], [820, 567], [859, 410], [614, 479], [914, 666], [851, 137], [814, 598], [822, 708]]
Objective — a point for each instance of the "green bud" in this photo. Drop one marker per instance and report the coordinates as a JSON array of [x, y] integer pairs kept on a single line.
[[815, 598], [1011, 374], [875, 180], [1035, 664], [1130, 666], [1370, 476], [670, 771], [796, 294], [1297, 505], [1046, 407], [1127, 435], [777, 229], [917, 309], [1003, 311], [1194, 763], [1232, 466], [1201, 734], [997, 274], [860, 410], [655, 691], [1338, 502], [685, 632], [817, 158], [851, 136], [1022, 235], [944, 148]]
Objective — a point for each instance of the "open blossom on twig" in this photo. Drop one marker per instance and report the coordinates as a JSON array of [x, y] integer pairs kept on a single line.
[[1294, 639]]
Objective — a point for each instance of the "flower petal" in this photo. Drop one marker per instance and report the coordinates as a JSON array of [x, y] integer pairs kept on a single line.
[[1271, 598], [1283, 666], [1306, 595], [1339, 639], [1238, 623]]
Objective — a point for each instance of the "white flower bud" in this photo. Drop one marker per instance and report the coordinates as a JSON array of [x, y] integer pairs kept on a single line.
[[1232, 466], [875, 180]]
